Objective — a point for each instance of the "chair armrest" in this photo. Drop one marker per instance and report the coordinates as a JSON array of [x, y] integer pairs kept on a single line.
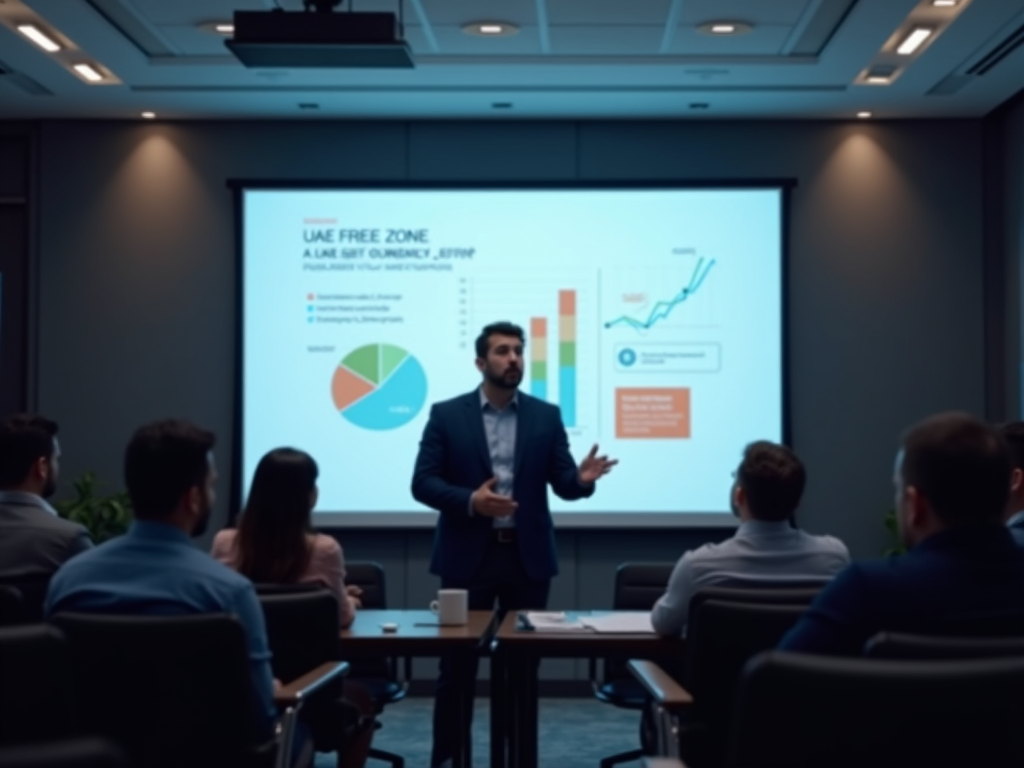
[[660, 685], [301, 688], [661, 762]]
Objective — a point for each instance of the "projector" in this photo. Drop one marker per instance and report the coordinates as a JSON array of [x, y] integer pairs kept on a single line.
[[289, 39]]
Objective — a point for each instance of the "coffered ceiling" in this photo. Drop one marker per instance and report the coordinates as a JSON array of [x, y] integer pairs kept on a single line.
[[569, 59]]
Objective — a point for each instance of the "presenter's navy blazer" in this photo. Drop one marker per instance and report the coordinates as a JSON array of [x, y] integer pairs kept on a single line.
[[454, 461]]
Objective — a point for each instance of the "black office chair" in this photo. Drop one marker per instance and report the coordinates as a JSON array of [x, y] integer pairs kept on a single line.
[[727, 625], [302, 629], [896, 645], [12, 606], [36, 700], [177, 690], [32, 593], [70, 753], [804, 711], [637, 588], [378, 676]]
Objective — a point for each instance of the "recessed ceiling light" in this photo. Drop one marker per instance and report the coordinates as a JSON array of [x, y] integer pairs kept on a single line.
[[944, 3], [491, 29], [89, 72], [149, 115], [725, 28], [863, 115], [222, 27], [914, 40], [33, 33], [879, 79]]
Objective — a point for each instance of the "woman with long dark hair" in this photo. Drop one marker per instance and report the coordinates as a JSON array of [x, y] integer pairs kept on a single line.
[[275, 542]]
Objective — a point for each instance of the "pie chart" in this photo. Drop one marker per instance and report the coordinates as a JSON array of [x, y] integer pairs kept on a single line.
[[379, 387]]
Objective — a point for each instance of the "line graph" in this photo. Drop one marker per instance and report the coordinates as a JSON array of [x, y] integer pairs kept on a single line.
[[662, 309]]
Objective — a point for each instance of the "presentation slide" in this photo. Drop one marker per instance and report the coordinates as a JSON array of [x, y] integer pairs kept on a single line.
[[653, 319]]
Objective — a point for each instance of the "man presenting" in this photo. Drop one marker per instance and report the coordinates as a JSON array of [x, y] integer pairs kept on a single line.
[[484, 463]]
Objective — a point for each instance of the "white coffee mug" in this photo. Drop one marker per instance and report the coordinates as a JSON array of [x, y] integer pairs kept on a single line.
[[450, 607]]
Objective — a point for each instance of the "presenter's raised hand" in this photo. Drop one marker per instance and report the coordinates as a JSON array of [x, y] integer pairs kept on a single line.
[[594, 466], [490, 504]]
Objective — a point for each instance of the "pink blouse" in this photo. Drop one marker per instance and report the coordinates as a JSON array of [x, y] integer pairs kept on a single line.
[[326, 567]]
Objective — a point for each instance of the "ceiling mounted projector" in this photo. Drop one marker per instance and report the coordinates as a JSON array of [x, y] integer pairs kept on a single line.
[[319, 37]]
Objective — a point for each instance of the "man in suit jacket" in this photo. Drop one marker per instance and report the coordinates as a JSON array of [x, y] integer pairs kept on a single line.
[[34, 541], [485, 461], [1013, 434], [964, 574]]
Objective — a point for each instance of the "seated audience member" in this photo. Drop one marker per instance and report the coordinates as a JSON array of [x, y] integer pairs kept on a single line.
[[1013, 434], [275, 544], [766, 547], [964, 574], [34, 541], [154, 568]]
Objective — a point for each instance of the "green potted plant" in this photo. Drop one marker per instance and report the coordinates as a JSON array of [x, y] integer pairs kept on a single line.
[[103, 516], [892, 526]]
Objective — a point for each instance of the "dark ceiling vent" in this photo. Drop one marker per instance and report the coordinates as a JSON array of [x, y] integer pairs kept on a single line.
[[1009, 44]]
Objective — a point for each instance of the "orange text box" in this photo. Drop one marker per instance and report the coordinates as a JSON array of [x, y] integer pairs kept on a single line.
[[652, 412]]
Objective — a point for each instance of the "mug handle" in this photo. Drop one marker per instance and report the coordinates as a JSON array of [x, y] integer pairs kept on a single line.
[[435, 606]]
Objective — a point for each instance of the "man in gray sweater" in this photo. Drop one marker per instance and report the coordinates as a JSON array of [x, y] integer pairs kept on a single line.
[[34, 541]]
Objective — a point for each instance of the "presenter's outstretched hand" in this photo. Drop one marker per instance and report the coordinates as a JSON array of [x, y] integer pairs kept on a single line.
[[490, 504], [594, 466]]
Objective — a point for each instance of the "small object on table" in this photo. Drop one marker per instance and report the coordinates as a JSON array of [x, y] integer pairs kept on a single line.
[[389, 627]]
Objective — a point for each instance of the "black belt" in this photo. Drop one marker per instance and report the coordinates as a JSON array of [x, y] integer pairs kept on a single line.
[[503, 535]]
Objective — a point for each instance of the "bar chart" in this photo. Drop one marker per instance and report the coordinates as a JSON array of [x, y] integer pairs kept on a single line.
[[559, 313], [567, 356]]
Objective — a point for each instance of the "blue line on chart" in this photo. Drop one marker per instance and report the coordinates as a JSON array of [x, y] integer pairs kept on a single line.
[[663, 309]]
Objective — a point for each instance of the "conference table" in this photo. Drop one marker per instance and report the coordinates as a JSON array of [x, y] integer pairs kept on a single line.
[[515, 656], [419, 634]]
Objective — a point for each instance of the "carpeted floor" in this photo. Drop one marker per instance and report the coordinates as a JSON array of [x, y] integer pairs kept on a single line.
[[574, 733]]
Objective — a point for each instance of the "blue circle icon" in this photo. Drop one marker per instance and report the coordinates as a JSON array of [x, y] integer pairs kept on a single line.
[[627, 357]]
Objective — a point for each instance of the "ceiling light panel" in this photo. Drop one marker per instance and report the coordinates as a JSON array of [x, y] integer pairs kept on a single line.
[[40, 38], [913, 41]]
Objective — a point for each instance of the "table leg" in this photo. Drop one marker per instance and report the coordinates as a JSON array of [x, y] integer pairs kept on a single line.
[[530, 749], [460, 724], [499, 709]]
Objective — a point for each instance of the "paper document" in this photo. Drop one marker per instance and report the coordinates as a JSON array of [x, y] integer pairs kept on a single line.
[[548, 621], [623, 622]]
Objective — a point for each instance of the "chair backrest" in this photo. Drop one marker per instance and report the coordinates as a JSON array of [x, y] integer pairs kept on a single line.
[[12, 606], [810, 711], [776, 593], [639, 585], [722, 636], [369, 577], [70, 753], [302, 628], [171, 690], [33, 595], [36, 702], [895, 645]]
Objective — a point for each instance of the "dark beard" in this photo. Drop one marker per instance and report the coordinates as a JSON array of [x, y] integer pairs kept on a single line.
[[500, 381], [50, 488], [203, 524]]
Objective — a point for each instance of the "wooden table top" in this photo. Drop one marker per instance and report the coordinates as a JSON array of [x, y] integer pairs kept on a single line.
[[585, 644], [418, 633]]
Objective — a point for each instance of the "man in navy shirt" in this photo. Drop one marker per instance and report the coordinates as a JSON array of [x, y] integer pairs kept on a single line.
[[154, 569], [1013, 434], [964, 574]]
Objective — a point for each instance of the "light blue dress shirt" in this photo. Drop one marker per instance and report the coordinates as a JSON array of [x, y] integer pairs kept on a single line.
[[1016, 526], [500, 430], [759, 550], [155, 570]]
